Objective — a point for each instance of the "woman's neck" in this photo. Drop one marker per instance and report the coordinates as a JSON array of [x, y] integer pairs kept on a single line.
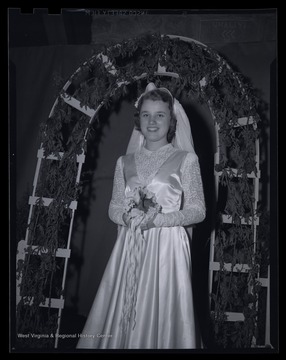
[[155, 145]]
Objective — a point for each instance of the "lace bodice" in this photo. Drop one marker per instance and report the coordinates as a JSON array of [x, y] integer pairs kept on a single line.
[[147, 164]]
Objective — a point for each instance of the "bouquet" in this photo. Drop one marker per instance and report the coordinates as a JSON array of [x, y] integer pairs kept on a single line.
[[141, 205]]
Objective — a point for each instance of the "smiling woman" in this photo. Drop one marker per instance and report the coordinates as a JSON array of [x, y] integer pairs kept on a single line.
[[145, 299]]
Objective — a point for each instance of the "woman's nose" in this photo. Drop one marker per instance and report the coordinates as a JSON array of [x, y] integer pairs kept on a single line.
[[152, 119]]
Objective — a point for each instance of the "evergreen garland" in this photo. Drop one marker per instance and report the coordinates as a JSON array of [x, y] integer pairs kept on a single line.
[[228, 96]]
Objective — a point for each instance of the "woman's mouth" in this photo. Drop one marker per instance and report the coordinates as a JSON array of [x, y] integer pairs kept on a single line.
[[152, 129]]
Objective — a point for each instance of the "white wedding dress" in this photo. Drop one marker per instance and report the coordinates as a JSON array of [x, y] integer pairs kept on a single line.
[[163, 317]]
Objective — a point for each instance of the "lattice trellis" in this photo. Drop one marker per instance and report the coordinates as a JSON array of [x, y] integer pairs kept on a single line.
[[215, 263], [25, 248]]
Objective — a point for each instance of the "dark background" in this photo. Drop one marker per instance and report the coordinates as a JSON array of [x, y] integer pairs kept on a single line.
[[44, 45]]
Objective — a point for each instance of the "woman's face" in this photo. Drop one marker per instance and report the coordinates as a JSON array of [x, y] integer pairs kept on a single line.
[[155, 117]]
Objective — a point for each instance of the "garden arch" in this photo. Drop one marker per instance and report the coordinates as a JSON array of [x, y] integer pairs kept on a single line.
[[178, 63]]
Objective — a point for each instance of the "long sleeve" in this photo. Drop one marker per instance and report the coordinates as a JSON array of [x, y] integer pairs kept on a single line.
[[193, 209], [116, 206]]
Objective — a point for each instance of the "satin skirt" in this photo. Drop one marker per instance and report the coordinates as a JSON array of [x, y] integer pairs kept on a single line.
[[165, 316]]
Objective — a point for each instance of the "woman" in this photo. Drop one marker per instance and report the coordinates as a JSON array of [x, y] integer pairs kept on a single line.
[[145, 297]]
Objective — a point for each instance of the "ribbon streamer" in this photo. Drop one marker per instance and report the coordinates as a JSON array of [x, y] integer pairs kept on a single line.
[[134, 256]]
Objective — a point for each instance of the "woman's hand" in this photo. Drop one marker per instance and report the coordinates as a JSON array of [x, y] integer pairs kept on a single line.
[[134, 213], [149, 224]]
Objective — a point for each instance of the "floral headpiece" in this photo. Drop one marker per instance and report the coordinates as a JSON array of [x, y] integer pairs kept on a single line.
[[151, 86]]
